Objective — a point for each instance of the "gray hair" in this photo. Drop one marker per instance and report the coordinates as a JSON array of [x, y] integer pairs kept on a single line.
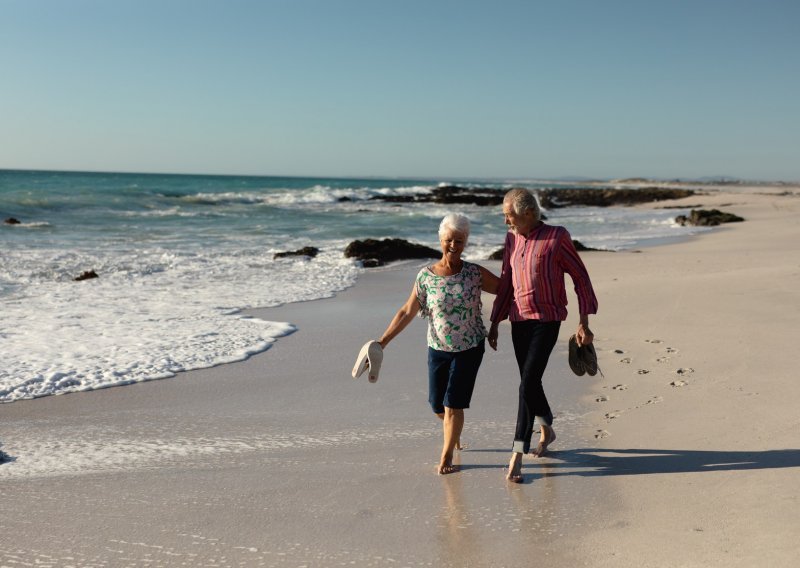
[[522, 200], [454, 222]]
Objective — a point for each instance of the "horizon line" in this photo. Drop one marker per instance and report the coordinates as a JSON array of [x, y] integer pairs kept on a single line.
[[723, 179]]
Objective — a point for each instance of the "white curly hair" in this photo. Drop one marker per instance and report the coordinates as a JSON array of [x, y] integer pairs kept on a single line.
[[454, 222]]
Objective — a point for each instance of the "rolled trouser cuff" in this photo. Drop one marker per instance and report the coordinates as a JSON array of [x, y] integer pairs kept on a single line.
[[542, 421], [519, 447]]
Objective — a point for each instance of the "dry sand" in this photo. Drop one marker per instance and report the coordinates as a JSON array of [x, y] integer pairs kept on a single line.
[[685, 454]]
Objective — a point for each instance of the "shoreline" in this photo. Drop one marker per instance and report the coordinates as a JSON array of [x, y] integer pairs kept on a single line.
[[283, 459]]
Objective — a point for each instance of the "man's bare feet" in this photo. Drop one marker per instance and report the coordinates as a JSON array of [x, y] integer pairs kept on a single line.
[[514, 472], [547, 438]]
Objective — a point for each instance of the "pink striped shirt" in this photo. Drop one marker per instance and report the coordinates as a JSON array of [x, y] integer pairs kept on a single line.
[[532, 278]]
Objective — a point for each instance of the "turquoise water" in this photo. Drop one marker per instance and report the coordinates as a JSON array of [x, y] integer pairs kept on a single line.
[[180, 256]]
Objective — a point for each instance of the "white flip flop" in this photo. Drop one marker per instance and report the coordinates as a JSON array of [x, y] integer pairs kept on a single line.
[[370, 357]]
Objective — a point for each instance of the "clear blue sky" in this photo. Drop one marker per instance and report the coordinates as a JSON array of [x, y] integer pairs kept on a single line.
[[509, 89]]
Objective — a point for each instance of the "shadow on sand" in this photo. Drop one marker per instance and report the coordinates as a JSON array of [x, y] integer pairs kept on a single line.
[[590, 462]]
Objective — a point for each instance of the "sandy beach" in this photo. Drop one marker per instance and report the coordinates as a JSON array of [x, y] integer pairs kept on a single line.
[[686, 452]]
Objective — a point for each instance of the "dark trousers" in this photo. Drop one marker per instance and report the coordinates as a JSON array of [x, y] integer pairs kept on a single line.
[[533, 342]]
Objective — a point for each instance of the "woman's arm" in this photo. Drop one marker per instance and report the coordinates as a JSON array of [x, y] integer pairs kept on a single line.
[[489, 281], [401, 319], [505, 292]]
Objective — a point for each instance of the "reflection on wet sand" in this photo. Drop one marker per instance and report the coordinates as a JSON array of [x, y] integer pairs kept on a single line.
[[476, 530], [536, 514], [457, 539]]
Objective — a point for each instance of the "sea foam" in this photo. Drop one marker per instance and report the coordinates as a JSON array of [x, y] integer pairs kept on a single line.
[[149, 315]]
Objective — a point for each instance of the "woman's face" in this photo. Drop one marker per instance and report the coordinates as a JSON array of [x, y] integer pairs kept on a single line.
[[453, 243], [520, 224]]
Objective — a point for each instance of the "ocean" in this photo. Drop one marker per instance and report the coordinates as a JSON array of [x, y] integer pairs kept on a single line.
[[180, 257]]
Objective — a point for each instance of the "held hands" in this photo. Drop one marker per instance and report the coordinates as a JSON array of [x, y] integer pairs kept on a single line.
[[493, 336]]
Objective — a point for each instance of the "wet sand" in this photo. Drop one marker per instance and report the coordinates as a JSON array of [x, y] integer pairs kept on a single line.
[[685, 454]]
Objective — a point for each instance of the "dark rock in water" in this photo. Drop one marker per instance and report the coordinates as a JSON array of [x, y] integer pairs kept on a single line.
[[344, 199], [475, 196], [88, 275], [580, 247], [371, 263], [562, 197], [400, 198], [450, 194], [707, 218], [388, 250], [549, 198], [12, 221], [497, 255], [305, 251]]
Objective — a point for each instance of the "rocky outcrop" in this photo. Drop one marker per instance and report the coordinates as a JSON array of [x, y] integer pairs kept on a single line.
[[475, 196], [450, 194], [707, 218], [595, 197], [87, 275], [305, 251], [12, 221], [374, 252], [549, 198]]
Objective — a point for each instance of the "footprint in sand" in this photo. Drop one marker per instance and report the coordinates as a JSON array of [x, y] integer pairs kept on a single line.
[[642, 371], [625, 360], [662, 359], [653, 341], [671, 350], [602, 434], [620, 387], [601, 399], [655, 400], [612, 415], [678, 383], [685, 371], [618, 351]]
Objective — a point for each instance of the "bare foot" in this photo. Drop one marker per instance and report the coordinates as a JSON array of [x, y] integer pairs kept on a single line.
[[548, 437], [446, 467], [514, 472]]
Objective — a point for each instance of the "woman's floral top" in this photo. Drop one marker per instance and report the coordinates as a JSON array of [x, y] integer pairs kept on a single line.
[[452, 305]]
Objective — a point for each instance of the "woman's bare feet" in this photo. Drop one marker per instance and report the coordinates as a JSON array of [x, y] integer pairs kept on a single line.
[[453, 424], [547, 438], [446, 466], [514, 473]]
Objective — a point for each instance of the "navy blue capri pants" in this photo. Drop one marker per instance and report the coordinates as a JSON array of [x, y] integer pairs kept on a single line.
[[451, 377]]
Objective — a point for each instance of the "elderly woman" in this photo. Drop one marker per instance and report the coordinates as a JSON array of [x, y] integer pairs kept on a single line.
[[532, 295], [448, 293]]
